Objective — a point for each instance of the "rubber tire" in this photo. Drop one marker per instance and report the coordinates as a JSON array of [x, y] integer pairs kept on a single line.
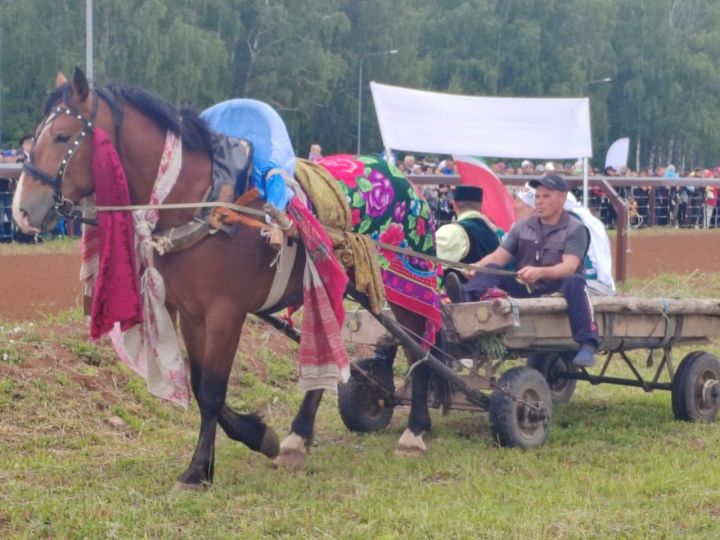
[[684, 399], [561, 390], [355, 398], [522, 382]]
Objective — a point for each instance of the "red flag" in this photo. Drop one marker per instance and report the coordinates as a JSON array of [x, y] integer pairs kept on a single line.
[[497, 201]]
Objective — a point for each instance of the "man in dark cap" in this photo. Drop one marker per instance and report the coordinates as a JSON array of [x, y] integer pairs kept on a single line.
[[473, 235], [548, 250]]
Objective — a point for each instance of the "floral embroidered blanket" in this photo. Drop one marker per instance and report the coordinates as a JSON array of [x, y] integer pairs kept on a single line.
[[386, 206]]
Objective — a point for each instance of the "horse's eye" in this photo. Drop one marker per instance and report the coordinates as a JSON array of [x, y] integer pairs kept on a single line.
[[62, 138]]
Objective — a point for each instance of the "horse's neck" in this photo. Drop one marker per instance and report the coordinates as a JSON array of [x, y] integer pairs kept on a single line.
[[142, 145]]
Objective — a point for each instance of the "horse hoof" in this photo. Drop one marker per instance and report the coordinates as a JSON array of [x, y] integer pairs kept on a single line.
[[182, 486], [293, 453], [290, 459], [411, 445], [270, 445]]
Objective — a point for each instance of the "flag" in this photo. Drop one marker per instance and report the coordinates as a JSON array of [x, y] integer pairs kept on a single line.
[[497, 201], [617, 154]]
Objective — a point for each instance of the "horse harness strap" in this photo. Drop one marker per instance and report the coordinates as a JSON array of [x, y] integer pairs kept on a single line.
[[192, 232], [63, 206], [261, 213]]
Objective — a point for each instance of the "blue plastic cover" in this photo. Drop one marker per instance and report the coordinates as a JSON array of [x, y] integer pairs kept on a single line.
[[260, 124]]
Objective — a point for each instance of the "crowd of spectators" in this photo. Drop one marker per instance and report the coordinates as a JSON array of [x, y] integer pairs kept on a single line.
[[7, 186], [684, 206], [15, 154]]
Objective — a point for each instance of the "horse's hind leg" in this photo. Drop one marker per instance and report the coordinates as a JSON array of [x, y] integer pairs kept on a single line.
[[294, 448]]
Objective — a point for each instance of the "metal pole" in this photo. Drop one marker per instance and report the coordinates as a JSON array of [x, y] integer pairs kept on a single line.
[[585, 159], [359, 126], [360, 88], [585, 183], [89, 72], [1, 84]]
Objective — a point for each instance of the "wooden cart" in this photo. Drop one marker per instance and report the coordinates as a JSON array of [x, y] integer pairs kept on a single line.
[[478, 337]]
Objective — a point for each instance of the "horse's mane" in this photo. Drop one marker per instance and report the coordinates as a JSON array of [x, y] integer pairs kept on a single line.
[[186, 122]]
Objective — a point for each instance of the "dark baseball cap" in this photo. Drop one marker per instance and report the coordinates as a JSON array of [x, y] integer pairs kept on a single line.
[[551, 181]]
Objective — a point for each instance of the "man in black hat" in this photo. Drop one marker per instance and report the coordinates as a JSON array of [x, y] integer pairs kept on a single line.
[[548, 250], [473, 235]]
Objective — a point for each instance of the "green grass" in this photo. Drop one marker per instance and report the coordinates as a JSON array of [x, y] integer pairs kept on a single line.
[[616, 464], [57, 245]]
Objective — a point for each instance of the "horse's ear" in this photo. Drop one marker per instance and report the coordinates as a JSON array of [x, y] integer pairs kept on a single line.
[[60, 79], [80, 85]]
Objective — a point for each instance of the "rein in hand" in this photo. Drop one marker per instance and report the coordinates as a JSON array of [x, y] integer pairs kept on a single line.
[[262, 214]]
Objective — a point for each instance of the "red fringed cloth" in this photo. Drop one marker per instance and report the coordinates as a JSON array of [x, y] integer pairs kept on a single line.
[[114, 254], [117, 293], [323, 358]]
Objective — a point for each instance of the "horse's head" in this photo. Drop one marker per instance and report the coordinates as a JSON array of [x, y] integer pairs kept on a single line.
[[58, 172]]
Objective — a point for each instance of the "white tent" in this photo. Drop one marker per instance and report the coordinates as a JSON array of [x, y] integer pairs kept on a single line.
[[536, 128]]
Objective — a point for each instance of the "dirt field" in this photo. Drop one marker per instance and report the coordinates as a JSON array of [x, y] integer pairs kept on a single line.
[[36, 284], [48, 282], [654, 252]]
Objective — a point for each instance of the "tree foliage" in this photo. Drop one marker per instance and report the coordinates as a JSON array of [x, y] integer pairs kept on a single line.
[[302, 56]]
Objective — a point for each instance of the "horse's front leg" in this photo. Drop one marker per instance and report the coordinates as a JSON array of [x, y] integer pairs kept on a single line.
[[209, 374], [294, 448]]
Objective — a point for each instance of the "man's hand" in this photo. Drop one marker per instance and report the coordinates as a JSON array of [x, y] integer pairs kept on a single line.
[[499, 257], [531, 274]]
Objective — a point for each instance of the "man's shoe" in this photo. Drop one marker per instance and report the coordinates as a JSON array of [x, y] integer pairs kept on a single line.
[[453, 288], [585, 357]]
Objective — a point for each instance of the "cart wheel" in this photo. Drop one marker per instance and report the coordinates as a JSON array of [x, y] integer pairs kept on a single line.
[[696, 388], [550, 364], [520, 416], [362, 409]]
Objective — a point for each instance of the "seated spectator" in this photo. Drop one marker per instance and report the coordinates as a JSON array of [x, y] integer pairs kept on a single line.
[[711, 197], [315, 152], [473, 235], [524, 203], [598, 260], [409, 162], [447, 167], [527, 167], [548, 250]]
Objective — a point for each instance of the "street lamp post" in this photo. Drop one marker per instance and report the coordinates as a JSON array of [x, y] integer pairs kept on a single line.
[[596, 81], [585, 159], [1, 121], [89, 69], [360, 88]]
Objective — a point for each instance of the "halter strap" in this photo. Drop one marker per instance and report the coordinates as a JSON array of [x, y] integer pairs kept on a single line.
[[88, 125], [65, 207]]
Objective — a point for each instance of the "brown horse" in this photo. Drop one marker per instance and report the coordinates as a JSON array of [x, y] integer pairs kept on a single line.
[[212, 285]]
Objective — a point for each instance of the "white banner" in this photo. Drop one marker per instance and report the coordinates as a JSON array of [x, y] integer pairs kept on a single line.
[[535, 128], [617, 154]]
